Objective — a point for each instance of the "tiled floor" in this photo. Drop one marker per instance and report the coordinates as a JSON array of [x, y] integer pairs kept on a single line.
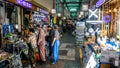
[[68, 54]]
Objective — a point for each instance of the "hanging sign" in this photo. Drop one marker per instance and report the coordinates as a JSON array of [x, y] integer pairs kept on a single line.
[[24, 3], [107, 18], [53, 11]]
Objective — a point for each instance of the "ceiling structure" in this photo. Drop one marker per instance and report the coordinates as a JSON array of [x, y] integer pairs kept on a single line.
[[73, 6]]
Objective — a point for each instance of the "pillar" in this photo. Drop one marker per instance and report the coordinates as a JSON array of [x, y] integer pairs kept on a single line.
[[118, 23], [19, 19]]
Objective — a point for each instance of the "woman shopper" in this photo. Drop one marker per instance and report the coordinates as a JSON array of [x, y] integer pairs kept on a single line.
[[41, 43], [55, 45], [32, 47]]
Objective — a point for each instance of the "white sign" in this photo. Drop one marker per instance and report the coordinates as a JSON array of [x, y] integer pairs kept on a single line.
[[53, 11], [84, 7], [93, 13]]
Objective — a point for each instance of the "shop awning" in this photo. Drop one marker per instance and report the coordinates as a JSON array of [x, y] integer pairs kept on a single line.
[[73, 6]]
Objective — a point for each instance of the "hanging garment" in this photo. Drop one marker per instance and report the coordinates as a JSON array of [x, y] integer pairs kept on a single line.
[[31, 53], [26, 23], [16, 62]]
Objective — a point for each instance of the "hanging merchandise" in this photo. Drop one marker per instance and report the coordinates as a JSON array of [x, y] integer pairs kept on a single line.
[[80, 32], [9, 9], [91, 30], [89, 59], [16, 62], [7, 29], [26, 23]]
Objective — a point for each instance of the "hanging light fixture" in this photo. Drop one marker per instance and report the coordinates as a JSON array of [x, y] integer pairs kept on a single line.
[[81, 13], [59, 14]]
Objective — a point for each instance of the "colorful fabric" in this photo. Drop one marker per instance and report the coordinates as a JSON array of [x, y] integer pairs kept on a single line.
[[41, 44], [56, 50], [32, 56], [32, 51], [33, 40]]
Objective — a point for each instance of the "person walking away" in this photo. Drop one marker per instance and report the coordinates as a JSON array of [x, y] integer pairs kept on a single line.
[[32, 47], [55, 45], [41, 43], [50, 40]]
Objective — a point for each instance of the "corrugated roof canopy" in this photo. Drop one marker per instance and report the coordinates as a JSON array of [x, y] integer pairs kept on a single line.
[[73, 6]]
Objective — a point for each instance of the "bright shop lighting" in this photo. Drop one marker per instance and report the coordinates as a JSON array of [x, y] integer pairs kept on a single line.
[[59, 14], [64, 18], [81, 13], [16, 26], [115, 10], [79, 16], [110, 11]]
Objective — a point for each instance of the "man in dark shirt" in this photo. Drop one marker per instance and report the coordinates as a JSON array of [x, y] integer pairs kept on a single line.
[[50, 39]]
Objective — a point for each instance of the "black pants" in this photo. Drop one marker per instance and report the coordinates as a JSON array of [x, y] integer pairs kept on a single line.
[[50, 48]]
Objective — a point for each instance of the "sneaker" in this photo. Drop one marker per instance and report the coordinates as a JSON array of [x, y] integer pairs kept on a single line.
[[53, 63]]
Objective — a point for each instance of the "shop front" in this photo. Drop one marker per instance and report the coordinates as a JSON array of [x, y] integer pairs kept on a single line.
[[13, 14], [103, 44], [40, 17]]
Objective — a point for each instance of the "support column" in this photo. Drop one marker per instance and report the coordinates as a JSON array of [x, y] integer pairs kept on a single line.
[[118, 23], [19, 19]]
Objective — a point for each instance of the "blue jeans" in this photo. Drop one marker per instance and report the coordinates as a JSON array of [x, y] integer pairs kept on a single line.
[[56, 51]]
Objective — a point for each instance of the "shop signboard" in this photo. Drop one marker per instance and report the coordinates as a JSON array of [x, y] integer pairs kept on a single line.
[[24, 3], [93, 17], [21, 3], [39, 17], [107, 18], [93, 13], [43, 11], [99, 3]]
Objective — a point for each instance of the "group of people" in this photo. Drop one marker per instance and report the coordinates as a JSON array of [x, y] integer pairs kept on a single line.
[[37, 44]]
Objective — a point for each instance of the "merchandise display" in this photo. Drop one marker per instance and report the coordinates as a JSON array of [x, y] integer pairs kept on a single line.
[[80, 32]]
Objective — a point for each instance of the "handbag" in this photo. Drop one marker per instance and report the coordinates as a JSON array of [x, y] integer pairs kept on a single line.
[[37, 56]]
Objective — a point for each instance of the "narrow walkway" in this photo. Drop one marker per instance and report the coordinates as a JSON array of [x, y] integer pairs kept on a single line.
[[68, 54]]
